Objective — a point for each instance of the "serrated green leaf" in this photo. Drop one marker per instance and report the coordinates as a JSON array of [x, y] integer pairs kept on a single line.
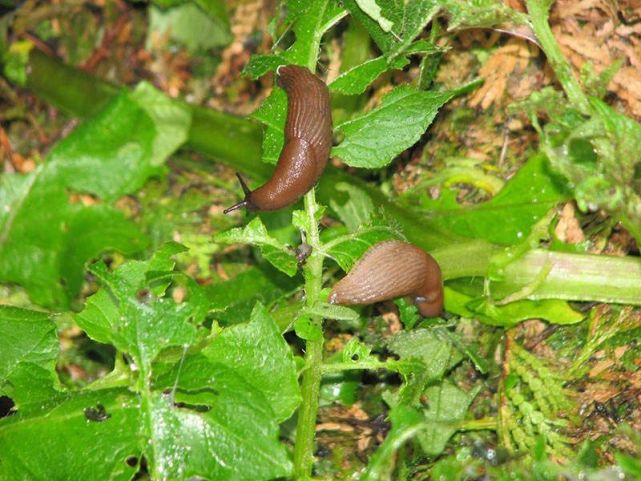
[[273, 113], [408, 312], [259, 65], [416, 15], [226, 431], [257, 351], [331, 311], [28, 352], [371, 8], [404, 115], [127, 313], [356, 80], [391, 10], [437, 352], [447, 406], [357, 351], [235, 438], [311, 19], [255, 233]]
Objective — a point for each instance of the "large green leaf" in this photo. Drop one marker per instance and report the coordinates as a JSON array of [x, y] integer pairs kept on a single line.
[[524, 200], [139, 320], [391, 10], [92, 435], [555, 311], [45, 238], [199, 24], [28, 351], [393, 24], [257, 351], [447, 407], [211, 412], [226, 431], [404, 115], [356, 80], [310, 20]]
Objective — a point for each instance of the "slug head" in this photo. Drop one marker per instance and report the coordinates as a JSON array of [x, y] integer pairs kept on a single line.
[[246, 202]]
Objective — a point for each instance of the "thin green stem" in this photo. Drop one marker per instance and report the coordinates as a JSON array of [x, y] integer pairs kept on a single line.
[[306, 427], [362, 365], [482, 424], [538, 11]]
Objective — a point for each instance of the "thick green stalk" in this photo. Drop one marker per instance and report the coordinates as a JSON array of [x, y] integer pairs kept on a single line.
[[306, 425], [616, 279], [539, 14]]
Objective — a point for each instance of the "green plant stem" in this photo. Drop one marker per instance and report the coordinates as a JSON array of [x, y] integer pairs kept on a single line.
[[310, 388], [362, 365], [611, 279], [482, 424], [539, 14]]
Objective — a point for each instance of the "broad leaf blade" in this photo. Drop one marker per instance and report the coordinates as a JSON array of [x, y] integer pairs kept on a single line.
[[524, 200], [28, 352], [404, 115], [59, 441], [255, 233], [257, 351]]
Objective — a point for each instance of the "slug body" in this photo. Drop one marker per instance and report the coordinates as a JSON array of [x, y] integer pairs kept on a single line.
[[389, 270], [308, 140]]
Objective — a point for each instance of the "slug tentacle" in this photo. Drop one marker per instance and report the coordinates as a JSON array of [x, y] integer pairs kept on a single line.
[[389, 270], [308, 140]]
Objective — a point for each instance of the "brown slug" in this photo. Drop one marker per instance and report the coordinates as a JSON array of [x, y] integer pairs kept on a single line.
[[393, 269], [308, 139]]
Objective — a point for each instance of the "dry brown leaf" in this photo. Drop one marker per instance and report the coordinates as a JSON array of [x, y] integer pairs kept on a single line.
[[591, 31], [505, 64], [568, 229]]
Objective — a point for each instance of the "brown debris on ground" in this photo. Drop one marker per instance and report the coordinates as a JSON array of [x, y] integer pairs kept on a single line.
[[248, 19], [592, 31]]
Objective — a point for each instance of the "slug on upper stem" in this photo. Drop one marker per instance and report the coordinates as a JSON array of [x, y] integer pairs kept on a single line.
[[393, 269], [308, 140]]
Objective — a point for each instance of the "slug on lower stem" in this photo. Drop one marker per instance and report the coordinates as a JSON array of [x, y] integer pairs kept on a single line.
[[389, 270], [308, 140]]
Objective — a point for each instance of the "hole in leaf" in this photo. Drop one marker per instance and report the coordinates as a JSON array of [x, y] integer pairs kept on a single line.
[[199, 408], [132, 461], [6, 405], [354, 357], [142, 470]]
